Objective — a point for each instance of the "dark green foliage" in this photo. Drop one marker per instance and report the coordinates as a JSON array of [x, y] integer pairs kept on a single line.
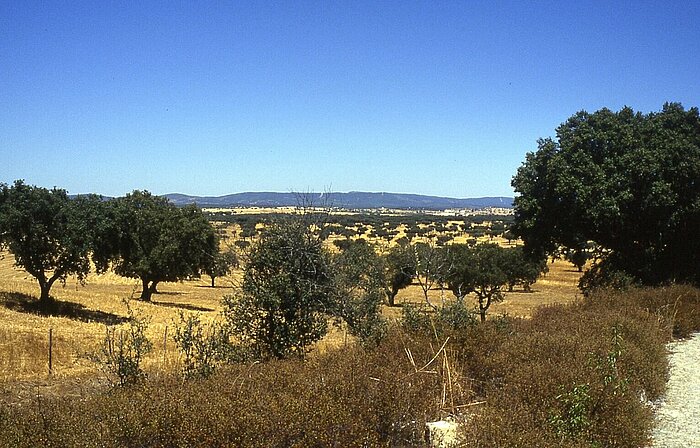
[[627, 182], [292, 286], [154, 241], [220, 264], [286, 296], [358, 286], [49, 235], [521, 269], [578, 256], [482, 270], [399, 268]]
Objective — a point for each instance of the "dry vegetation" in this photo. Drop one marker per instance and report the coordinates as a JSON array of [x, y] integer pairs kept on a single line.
[[89, 308], [509, 379]]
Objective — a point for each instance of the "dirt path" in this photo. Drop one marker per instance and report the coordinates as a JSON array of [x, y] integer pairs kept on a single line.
[[678, 414]]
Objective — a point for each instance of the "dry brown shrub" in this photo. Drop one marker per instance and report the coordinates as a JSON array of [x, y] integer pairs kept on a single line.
[[349, 397]]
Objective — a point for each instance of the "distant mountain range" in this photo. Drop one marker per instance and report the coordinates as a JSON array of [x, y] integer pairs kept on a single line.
[[350, 200]]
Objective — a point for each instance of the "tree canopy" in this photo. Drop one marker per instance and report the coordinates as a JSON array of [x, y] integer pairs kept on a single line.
[[286, 295], [399, 267], [46, 232], [358, 285], [481, 269], [625, 181], [154, 241]]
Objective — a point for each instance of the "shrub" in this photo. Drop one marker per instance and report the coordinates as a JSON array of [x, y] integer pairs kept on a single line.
[[203, 347], [351, 398], [123, 350]]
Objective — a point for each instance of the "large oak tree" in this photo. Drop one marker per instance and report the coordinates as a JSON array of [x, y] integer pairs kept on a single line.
[[626, 181], [48, 233], [154, 241]]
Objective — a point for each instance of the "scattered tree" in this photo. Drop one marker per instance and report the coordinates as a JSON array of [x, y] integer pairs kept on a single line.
[[286, 295], [220, 264], [399, 268], [521, 269], [578, 256], [46, 232], [154, 241], [431, 267], [478, 269], [358, 286]]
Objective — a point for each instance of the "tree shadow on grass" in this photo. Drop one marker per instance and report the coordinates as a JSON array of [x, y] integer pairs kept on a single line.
[[25, 303], [184, 306]]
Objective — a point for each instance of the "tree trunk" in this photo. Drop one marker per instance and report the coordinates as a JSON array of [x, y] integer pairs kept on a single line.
[[212, 281], [484, 307], [45, 298], [390, 296], [154, 285], [146, 292]]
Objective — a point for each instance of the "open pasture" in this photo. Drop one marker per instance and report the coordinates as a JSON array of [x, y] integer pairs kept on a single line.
[[78, 327]]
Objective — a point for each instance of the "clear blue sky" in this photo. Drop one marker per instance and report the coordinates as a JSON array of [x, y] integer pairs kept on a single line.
[[441, 98]]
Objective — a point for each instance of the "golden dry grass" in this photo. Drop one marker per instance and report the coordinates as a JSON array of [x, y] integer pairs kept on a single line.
[[24, 336], [559, 285]]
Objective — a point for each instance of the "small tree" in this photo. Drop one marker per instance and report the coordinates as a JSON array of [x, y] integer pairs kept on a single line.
[[432, 267], [286, 296], [520, 269], [46, 232], [577, 255], [221, 264], [478, 270], [358, 287], [399, 268], [123, 350]]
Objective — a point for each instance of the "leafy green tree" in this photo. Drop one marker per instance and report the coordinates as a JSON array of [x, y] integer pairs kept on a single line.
[[521, 269], [479, 270], [220, 264], [47, 233], [626, 181], [286, 296], [399, 267], [358, 285], [578, 256], [154, 241]]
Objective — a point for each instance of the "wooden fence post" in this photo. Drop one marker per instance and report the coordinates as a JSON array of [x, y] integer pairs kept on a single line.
[[50, 351], [165, 343]]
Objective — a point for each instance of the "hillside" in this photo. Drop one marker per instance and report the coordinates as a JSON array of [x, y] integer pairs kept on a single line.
[[350, 200]]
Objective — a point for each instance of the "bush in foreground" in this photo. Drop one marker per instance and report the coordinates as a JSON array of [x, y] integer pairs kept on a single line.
[[572, 376]]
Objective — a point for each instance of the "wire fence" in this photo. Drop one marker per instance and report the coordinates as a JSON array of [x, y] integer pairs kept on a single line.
[[27, 353]]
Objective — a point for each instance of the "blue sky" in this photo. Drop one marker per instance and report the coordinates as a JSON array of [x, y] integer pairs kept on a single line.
[[441, 98]]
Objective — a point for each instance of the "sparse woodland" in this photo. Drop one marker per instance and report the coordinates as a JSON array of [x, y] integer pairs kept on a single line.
[[340, 330]]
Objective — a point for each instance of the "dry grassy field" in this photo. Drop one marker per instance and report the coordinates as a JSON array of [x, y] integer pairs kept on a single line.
[[78, 331]]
